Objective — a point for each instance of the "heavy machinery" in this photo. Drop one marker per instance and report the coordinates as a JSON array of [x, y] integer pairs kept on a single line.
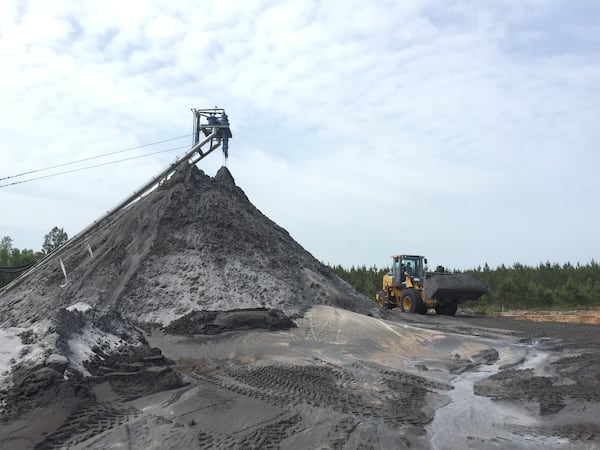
[[409, 287]]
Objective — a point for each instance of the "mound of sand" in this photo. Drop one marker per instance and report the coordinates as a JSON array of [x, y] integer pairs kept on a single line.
[[51, 359], [194, 253], [195, 243]]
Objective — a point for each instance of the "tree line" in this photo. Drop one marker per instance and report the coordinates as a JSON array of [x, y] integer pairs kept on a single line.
[[545, 286], [12, 259]]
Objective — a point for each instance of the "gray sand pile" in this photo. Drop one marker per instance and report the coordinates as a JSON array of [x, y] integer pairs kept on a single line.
[[196, 243], [194, 253], [56, 358]]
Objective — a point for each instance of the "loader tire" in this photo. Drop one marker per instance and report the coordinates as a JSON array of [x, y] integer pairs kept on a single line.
[[412, 302], [391, 300]]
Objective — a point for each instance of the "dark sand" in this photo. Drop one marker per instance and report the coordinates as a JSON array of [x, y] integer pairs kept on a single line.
[[179, 334], [339, 380]]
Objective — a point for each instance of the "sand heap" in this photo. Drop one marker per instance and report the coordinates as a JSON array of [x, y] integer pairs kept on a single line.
[[194, 254], [196, 243]]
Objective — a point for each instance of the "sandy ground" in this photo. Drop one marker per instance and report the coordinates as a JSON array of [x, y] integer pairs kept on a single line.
[[569, 317], [345, 380]]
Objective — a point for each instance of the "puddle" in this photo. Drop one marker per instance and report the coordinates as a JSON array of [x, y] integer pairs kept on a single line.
[[474, 422]]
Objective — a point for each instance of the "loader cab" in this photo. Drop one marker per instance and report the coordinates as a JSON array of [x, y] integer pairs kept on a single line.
[[412, 264]]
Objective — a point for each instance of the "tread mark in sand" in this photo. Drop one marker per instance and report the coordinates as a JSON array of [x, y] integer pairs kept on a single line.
[[342, 431], [85, 423], [176, 396], [403, 377], [313, 385], [267, 437], [400, 401]]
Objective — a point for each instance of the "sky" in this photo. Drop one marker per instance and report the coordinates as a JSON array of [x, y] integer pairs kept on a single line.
[[465, 131]]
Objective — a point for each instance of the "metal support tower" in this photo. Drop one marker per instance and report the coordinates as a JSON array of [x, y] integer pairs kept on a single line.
[[214, 125]]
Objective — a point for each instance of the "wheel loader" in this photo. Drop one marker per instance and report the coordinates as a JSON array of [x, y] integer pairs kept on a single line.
[[409, 287]]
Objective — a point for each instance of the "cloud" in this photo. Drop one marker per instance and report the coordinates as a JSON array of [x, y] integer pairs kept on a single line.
[[382, 124]]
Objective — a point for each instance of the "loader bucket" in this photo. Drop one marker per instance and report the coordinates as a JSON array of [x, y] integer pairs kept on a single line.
[[453, 286]]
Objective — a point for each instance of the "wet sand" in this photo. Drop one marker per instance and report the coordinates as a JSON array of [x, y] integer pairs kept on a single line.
[[345, 380]]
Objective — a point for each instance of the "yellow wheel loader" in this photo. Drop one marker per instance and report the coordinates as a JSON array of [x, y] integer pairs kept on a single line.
[[409, 287]]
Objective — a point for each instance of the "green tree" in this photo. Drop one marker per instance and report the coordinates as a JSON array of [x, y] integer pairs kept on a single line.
[[54, 239], [5, 250], [367, 280], [11, 258]]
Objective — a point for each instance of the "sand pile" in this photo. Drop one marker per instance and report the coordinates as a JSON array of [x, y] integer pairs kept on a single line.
[[196, 243], [194, 254], [53, 359]]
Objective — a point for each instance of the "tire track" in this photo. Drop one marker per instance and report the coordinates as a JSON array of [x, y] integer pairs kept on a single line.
[[392, 396], [87, 422]]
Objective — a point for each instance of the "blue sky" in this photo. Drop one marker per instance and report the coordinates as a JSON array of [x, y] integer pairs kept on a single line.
[[466, 131]]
